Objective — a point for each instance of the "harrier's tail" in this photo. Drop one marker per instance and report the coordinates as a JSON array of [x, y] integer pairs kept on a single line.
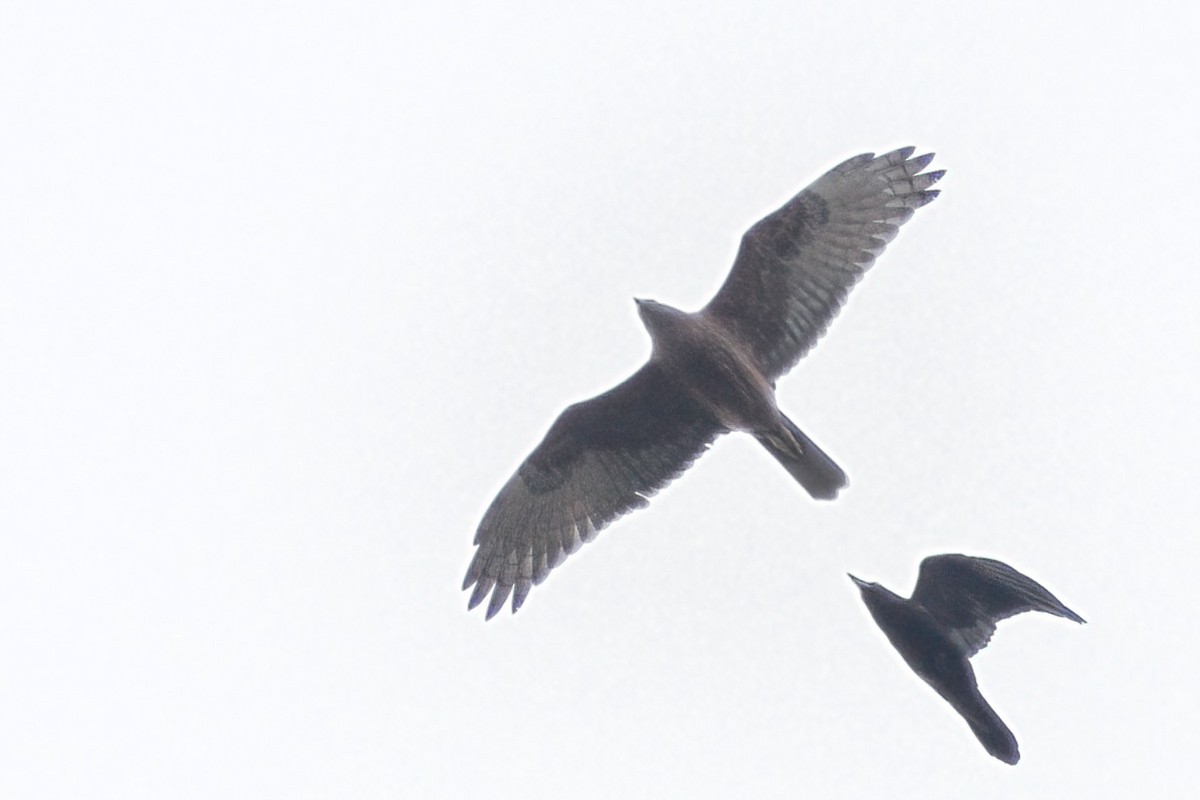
[[806, 462]]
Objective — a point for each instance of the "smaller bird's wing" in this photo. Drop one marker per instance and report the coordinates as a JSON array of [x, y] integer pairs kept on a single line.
[[601, 458], [795, 267], [970, 595]]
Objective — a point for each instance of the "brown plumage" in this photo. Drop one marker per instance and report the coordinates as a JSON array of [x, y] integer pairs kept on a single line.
[[710, 372]]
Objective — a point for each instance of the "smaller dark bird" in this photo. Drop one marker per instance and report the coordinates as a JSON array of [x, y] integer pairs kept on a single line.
[[951, 616]]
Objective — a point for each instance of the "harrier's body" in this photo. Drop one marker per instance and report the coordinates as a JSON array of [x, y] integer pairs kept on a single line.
[[712, 366], [709, 362], [710, 372]]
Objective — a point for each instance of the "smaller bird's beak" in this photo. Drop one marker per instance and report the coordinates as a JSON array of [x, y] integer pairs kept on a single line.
[[858, 582], [639, 301]]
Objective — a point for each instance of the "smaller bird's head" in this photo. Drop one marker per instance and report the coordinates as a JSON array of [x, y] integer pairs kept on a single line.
[[879, 599], [863, 586], [872, 593]]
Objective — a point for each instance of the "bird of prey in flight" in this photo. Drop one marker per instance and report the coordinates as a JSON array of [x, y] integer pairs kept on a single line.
[[709, 373], [951, 616]]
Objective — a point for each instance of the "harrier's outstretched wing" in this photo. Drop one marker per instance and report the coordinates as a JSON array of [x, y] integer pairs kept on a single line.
[[795, 267], [970, 595], [602, 458]]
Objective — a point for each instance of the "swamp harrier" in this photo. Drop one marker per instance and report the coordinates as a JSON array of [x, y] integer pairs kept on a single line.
[[709, 373]]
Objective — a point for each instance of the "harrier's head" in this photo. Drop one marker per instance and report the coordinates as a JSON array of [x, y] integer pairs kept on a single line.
[[658, 317]]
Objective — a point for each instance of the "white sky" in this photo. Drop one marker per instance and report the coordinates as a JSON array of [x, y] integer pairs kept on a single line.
[[289, 290]]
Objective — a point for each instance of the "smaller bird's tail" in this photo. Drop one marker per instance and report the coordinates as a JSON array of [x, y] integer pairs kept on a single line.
[[807, 463], [992, 733]]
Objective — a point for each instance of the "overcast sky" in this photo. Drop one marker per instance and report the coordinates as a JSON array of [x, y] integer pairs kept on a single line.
[[289, 290]]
